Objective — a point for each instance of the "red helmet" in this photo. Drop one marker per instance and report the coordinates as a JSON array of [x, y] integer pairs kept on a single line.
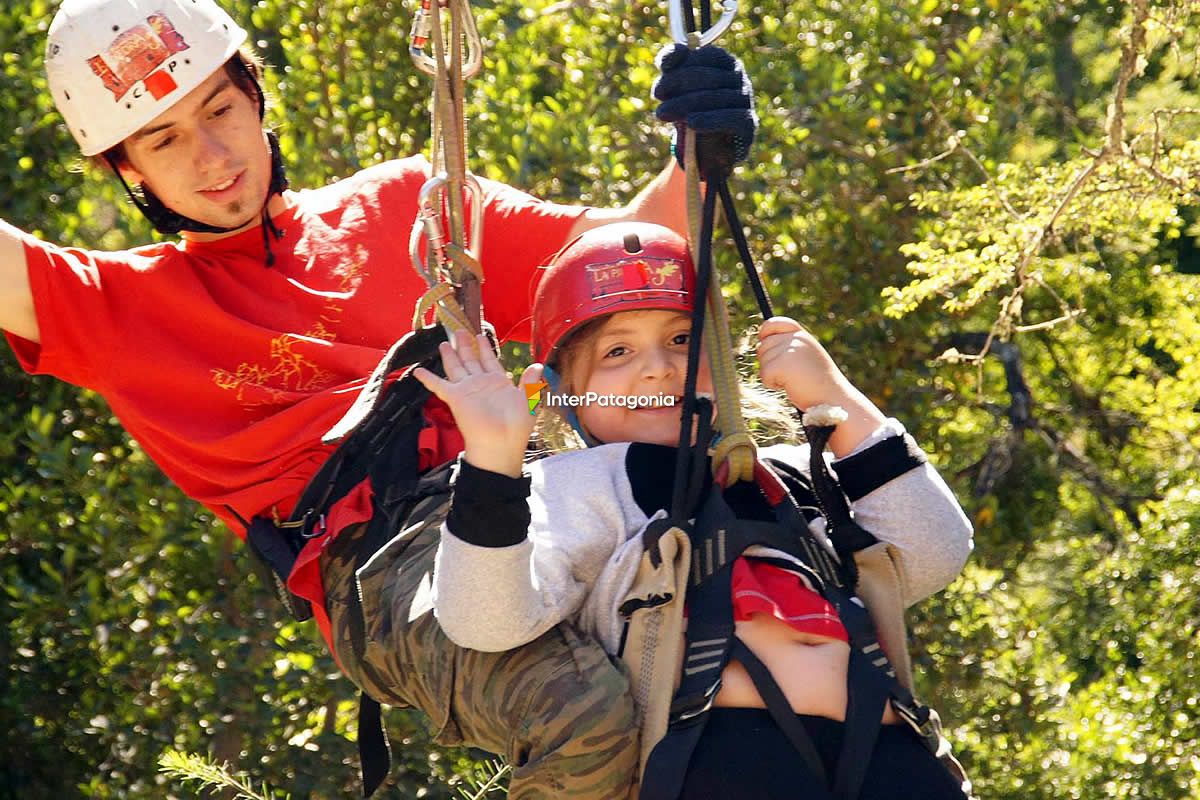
[[626, 266]]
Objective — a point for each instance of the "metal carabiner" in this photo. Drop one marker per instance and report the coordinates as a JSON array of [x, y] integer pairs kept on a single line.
[[678, 24], [475, 192], [418, 38], [422, 34], [428, 225]]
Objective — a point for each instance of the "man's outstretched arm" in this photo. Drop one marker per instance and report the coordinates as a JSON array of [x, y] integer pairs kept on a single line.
[[16, 297], [662, 201], [707, 92]]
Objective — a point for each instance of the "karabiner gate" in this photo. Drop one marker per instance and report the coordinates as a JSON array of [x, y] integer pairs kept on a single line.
[[428, 226], [422, 33], [678, 22]]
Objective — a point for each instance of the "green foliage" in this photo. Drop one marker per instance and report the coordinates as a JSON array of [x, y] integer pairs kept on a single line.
[[932, 148], [209, 774], [490, 780]]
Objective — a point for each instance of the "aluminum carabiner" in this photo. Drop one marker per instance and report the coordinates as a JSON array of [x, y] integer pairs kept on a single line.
[[428, 226], [422, 34], [475, 240], [678, 23]]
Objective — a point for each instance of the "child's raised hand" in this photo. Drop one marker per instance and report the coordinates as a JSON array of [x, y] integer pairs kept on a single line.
[[492, 414], [790, 358]]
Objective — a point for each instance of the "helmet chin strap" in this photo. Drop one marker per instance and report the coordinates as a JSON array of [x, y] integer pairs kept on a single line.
[[167, 221]]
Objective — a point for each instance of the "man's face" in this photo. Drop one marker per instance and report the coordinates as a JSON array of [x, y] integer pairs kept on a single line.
[[206, 157]]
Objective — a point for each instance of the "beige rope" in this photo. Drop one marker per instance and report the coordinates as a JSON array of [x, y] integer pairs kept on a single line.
[[735, 445], [442, 300], [448, 134]]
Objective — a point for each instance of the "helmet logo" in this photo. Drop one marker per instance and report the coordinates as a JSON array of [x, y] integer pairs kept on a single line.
[[135, 55], [629, 275]]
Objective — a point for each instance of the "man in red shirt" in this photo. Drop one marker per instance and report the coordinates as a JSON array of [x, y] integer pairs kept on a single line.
[[228, 354]]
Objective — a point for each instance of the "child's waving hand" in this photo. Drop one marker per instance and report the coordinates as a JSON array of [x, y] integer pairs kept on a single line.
[[492, 414]]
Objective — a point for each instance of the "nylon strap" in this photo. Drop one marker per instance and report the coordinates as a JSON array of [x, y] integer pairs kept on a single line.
[[779, 708], [871, 679], [448, 131], [739, 450], [718, 539]]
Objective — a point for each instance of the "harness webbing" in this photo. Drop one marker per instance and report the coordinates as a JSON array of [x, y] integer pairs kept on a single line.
[[738, 450], [735, 450], [871, 681], [719, 538], [378, 439]]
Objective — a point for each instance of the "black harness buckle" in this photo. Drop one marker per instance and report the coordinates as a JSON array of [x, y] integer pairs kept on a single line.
[[690, 709]]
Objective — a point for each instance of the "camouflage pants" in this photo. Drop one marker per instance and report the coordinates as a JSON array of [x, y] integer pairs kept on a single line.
[[558, 708]]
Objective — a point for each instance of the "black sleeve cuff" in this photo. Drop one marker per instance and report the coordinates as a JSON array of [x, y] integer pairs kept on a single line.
[[863, 473], [486, 508]]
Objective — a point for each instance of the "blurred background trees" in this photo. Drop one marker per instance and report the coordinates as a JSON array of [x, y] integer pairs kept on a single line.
[[932, 182]]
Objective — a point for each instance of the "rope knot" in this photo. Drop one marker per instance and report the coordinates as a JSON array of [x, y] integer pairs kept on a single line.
[[738, 450]]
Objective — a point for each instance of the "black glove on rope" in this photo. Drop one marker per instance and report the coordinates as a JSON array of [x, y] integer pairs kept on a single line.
[[708, 91]]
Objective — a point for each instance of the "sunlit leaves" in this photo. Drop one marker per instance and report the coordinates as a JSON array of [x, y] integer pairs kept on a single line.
[[1064, 659]]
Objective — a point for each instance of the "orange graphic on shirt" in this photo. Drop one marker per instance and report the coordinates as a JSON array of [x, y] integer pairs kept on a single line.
[[287, 369]]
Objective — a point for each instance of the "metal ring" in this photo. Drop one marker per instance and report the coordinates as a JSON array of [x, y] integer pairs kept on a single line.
[[680, 33]]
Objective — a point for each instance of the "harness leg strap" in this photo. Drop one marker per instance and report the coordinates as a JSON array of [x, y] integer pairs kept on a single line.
[[864, 712], [666, 767], [374, 750], [779, 708]]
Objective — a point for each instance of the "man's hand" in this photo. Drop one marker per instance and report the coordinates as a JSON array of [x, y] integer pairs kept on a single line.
[[708, 91], [492, 414]]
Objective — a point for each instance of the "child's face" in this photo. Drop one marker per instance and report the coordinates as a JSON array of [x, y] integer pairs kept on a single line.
[[639, 354]]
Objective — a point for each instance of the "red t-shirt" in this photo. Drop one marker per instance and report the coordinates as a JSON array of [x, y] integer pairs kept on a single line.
[[761, 588], [228, 372]]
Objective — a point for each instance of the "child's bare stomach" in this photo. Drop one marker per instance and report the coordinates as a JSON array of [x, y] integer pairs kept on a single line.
[[809, 668]]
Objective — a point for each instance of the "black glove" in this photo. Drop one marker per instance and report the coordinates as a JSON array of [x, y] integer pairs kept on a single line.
[[708, 91]]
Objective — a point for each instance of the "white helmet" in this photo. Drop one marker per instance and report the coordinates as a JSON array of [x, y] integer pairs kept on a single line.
[[114, 65]]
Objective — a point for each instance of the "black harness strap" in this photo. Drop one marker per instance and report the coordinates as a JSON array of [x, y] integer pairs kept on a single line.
[[870, 671], [366, 431], [374, 749], [779, 708], [867, 695], [367, 428], [869, 675], [718, 539], [694, 408], [378, 439], [400, 496]]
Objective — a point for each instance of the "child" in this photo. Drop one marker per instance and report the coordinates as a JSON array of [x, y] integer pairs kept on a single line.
[[527, 546]]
